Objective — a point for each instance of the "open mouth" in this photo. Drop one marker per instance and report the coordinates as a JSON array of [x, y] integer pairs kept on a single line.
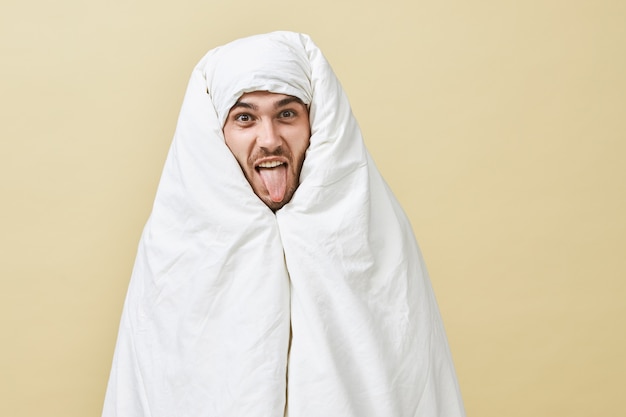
[[274, 177]]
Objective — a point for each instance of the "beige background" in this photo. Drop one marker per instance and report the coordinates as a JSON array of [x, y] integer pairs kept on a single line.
[[501, 126]]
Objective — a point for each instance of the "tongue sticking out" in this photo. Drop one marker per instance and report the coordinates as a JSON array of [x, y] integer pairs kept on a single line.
[[275, 180]]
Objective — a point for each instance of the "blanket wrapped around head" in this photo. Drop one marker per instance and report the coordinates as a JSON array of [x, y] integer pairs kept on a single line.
[[322, 309]]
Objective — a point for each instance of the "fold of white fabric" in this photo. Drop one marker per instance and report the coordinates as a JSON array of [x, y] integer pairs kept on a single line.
[[322, 309]]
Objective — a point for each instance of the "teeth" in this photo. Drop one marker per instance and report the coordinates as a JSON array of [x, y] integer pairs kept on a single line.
[[270, 164]]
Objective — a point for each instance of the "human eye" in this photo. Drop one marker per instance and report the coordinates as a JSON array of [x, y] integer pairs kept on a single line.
[[243, 118], [286, 114]]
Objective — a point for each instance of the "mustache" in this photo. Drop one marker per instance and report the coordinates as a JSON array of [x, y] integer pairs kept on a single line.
[[264, 153]]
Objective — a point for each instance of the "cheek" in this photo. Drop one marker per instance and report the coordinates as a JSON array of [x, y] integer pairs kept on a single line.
[[300, 141], [238, 142], [298, 147], [304, 144]]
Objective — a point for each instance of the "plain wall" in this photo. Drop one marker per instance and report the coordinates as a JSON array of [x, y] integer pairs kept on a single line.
[[500, 125]]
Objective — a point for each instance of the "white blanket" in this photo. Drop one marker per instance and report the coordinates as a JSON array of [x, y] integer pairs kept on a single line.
[[323, 309]]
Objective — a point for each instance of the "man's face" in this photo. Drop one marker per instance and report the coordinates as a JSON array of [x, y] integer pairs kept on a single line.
[[268, 134]]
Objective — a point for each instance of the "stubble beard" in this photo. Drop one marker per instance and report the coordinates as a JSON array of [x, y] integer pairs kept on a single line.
[[258, 187]]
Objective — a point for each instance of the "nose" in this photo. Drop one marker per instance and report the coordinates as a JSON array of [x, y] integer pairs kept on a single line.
[[268, 136]]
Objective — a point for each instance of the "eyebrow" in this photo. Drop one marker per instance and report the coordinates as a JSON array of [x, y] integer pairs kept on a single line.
[[287, 100], [280, 103], [244, 105]]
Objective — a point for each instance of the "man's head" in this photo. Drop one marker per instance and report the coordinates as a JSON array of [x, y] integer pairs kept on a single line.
[[268, 133]]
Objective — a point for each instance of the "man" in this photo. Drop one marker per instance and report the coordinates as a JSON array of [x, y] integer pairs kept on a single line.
[[277, 274], [268, 134]]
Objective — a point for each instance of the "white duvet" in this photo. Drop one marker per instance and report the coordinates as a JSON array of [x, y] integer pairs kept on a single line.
[[323, 309]]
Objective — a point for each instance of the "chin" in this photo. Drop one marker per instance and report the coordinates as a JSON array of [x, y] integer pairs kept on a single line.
[[277, 205], [274, 206]]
